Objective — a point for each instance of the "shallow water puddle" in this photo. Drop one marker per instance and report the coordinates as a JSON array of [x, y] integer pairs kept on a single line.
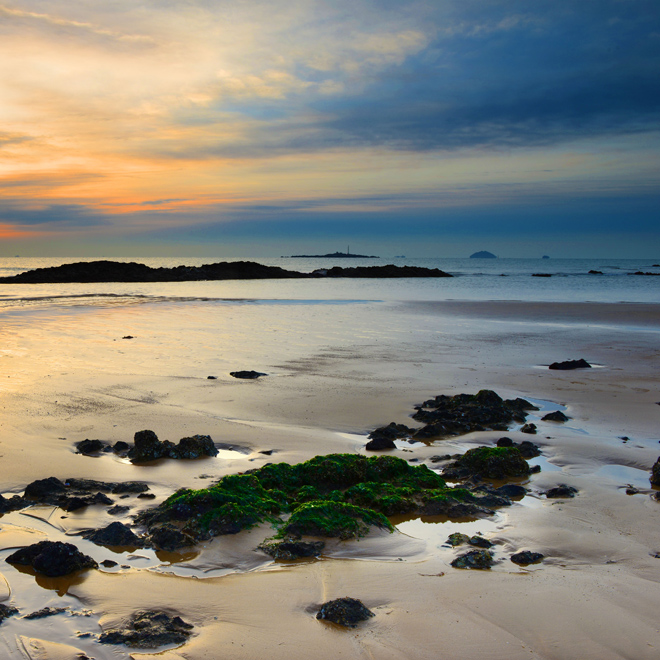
[[624, 475]]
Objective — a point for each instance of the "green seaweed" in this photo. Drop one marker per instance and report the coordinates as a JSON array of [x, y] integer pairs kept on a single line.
[[333, 519]]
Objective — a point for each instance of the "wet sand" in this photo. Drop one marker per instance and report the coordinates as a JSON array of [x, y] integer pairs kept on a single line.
[[335, 373]]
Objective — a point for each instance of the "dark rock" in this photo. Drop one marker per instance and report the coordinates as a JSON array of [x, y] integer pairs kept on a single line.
[[109, 563], [211, 378], [77, 502], [639, 272], [380, 443], [534, 469], [128, 337], [655, 473], [194, 447], [146, 496], [595, 272], [481, 559], [480, 542], [526, 557], [6, 611], [570, 364], [457, 539], [290, 549], [556, 416], [631, 491], [497, 463], [267, 452], [13, 503], [88, 447], [528, 428], [464, 413], [505, 442], [384, 437], [147, 447], [561, 491], [149, 630], [115, 534], [43, 489], [169, 537], [118, 509], [541, 274], [528, 449], [120, 447], [345, 611], [512, 491], [129, 487], [46, 611], [440, 459], [52, 558], [388, 271], [248, 375]]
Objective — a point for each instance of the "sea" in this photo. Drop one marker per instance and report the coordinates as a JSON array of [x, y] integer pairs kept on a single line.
[[474, 279]]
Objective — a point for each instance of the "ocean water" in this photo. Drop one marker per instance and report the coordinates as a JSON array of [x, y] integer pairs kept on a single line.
[[474, 279]]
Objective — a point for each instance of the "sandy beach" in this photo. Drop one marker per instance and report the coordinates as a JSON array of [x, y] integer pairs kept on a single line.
[[336, 372]]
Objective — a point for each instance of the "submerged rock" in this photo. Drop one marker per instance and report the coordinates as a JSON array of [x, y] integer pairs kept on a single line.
[[149, 629], [570, 364], [347, 612], [52, 558], [247, 375], [526, 557], [481, 559], [45, 612], [292, 549]]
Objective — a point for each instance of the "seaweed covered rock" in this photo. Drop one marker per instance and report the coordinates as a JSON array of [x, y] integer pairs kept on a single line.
[[481, 559], [347, 612], [333, 519], [149, 629], [655, 473], [52, 558], [115, 534], [169, 537], [527, 448], [464, 413], [340, 495], [292, 549], [496, 463]]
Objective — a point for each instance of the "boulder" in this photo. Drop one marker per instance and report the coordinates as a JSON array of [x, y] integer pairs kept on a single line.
[[347, 612], [526, 557], [561, 491], [194, 447], [52, 558], [6, 611], [247, 375], [528, 428], [115, 534], [567, 365], [655, 473], [481, 559], [88, 447], [43, 489], [384, 437], [149, 629], [556, 416], [169, 537]]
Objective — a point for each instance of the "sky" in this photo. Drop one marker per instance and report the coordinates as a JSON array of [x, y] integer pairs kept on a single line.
[[250, 128]]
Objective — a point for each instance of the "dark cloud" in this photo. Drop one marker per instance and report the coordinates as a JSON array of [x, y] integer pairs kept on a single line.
[[59, 215]]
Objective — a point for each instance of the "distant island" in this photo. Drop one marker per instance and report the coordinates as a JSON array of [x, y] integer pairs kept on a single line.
[[117, 271], [483, 255], [334, 255]]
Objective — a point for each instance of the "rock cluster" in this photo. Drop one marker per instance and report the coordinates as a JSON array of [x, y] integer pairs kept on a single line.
[[149, 629], [147, 447]]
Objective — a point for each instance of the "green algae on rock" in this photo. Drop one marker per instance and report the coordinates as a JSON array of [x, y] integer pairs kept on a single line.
[[335, 495]]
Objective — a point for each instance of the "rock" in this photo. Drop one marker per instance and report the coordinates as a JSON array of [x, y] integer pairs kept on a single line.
[[43, 489], [595, 272], [561, 491], [147, 447], [194, 447], [480, 542], [118, 509], [556, 416], [347, 612], [496, 463], [655, 473], [149, 630], [211, 378], [291, 549], [481, 559], [109, 563], [464, 413], [169, 537], [570, 364], [115, 534], [483, 254], [457, 539], [528, 449], [384, 437], [380, 444], [388, 271], [120, 447], [528, 428], [46, 611], [6, 611], [88, 447], [512, 491], [146, 496], [248, 375], [526, 557], [128, 337], [541, 274], [52, 558], [505, 442]]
